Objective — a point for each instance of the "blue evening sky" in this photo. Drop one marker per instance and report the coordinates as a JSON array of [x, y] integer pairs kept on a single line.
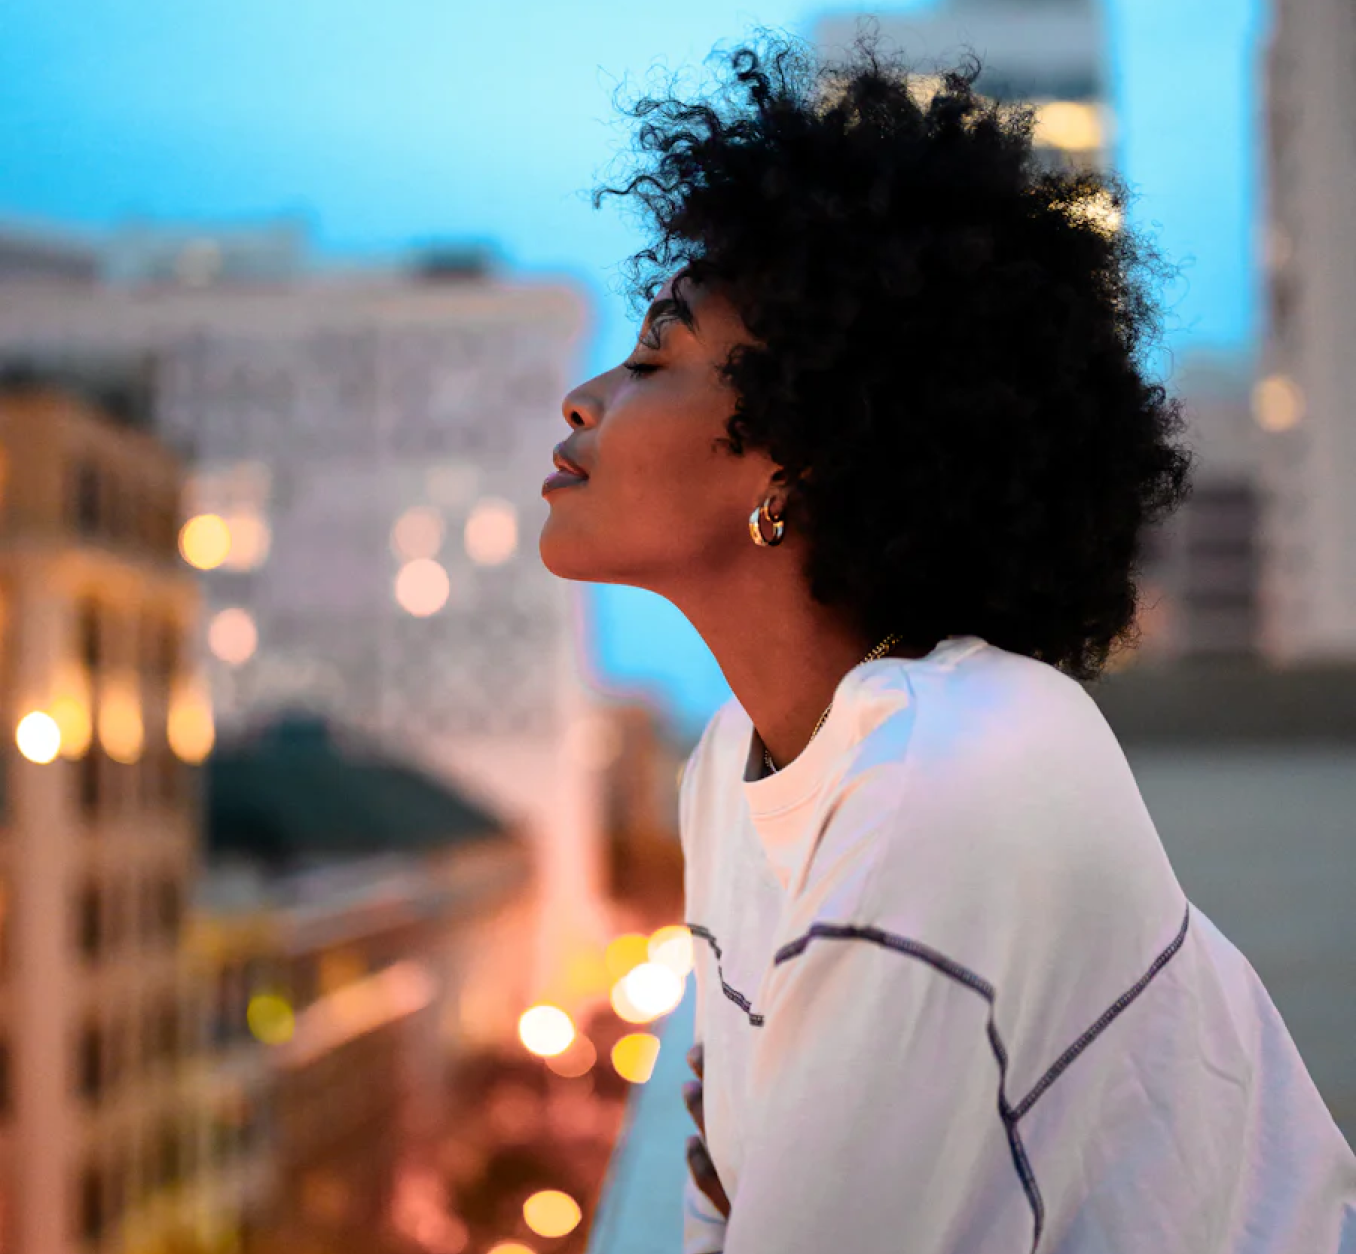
[[390, 124]]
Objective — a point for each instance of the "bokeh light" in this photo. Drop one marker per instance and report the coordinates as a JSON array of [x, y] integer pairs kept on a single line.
[[120, 728], [653, 989], [190, 729], [71, 715], [270, 1018], [38, 737], [205, 541], [418, 532], [248, 540], [552, 1213], [634, 1056], [627, 952], [575, 1061], [491, 533], [624, 1008], [232, 636], [422, 587], [672, 947], [1277, 403], [511, 1247], [545, 1030]]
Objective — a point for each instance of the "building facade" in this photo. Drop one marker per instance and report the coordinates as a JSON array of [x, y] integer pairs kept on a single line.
[[104, 1144], [367, 455], [1303, 399]]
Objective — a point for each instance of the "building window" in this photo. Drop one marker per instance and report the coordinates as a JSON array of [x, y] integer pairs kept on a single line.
[[171, 908], [91, 651], [92, 1215], [168, 1155], [89, 923], [90, 1063], [93, 780], [167, 1030], [86, 513]]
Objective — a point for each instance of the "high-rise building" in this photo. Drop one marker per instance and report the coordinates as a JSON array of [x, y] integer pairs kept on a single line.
[[1303, 400], [1048, 53], [103, 721], [367, 453]]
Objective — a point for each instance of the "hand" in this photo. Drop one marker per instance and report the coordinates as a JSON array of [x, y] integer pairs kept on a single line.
[[698, 1160]]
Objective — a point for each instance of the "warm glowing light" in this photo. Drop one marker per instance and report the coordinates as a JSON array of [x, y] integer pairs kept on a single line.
[[248, 541], [551, 1213], [1099, 211], [190, 730], [205, 541], [575, 1061], [119, 723], [71, 715], [546, 1030], [418, 532], [38, 737], [491, 534], [634, 1056], [627, 951], [1277, 403], [422, 587], [624, 1008], [1069, 124], [672, 947], [232, 636], [511, 1247], [654, 989], [270, 1018]]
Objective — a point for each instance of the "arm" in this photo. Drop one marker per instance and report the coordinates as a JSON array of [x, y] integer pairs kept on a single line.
[[874, 1122]]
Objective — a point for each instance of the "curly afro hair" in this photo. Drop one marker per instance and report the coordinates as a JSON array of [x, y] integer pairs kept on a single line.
[[949, 342]]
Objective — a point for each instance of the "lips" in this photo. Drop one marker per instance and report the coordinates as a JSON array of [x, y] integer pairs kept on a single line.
[[562, 479]]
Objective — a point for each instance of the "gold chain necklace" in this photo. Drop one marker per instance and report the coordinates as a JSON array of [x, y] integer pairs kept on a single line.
[[882, 648]]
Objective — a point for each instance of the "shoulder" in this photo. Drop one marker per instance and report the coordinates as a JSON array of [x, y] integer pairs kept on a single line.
[[996, 818]]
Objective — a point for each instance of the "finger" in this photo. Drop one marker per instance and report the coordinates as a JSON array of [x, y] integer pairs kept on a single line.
[[704, 1176], [692, 1099], [696, 1057]]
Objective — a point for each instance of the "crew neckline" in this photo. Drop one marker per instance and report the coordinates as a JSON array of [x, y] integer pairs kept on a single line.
[[801, 778]]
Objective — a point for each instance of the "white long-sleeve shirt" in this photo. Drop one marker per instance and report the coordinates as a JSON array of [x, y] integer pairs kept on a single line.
[[954, 1000]]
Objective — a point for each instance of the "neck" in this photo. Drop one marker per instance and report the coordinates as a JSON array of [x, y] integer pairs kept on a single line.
[[783, 663]]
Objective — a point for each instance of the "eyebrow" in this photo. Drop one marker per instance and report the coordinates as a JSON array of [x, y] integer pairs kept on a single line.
[[668, 309]]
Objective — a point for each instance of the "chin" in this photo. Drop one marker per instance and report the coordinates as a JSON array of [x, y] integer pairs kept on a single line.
[[564, 558]]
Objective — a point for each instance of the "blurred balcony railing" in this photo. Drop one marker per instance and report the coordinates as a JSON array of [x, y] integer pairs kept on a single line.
[[641, 1211]]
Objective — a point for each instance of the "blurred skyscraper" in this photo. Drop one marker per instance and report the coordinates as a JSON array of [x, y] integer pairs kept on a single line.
[[368, 449], [1305, 400], [1050, 53], [103, 1119]]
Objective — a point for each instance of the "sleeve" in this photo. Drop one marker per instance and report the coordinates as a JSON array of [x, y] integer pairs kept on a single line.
[[874, 1121], [703, 1224]]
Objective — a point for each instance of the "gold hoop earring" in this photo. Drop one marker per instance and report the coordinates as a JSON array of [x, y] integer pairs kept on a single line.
[[756, 527]]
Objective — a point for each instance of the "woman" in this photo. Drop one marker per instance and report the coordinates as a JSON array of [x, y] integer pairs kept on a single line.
[[886, 441]]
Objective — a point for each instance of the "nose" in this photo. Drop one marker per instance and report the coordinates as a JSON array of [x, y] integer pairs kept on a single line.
[[581, 406]]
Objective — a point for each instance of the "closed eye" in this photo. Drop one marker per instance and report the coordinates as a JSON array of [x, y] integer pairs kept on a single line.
[[640, 367]]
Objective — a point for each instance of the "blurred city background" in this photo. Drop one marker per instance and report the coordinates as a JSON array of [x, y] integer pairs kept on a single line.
[[340, 888]]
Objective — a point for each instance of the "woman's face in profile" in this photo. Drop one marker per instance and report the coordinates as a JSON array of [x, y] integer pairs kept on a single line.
[[665, 504]]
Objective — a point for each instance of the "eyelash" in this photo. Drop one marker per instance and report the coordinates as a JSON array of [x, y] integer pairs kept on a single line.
[[640, 367]]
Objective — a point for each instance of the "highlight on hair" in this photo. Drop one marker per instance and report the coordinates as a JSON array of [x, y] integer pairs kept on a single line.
[[949, 342]]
